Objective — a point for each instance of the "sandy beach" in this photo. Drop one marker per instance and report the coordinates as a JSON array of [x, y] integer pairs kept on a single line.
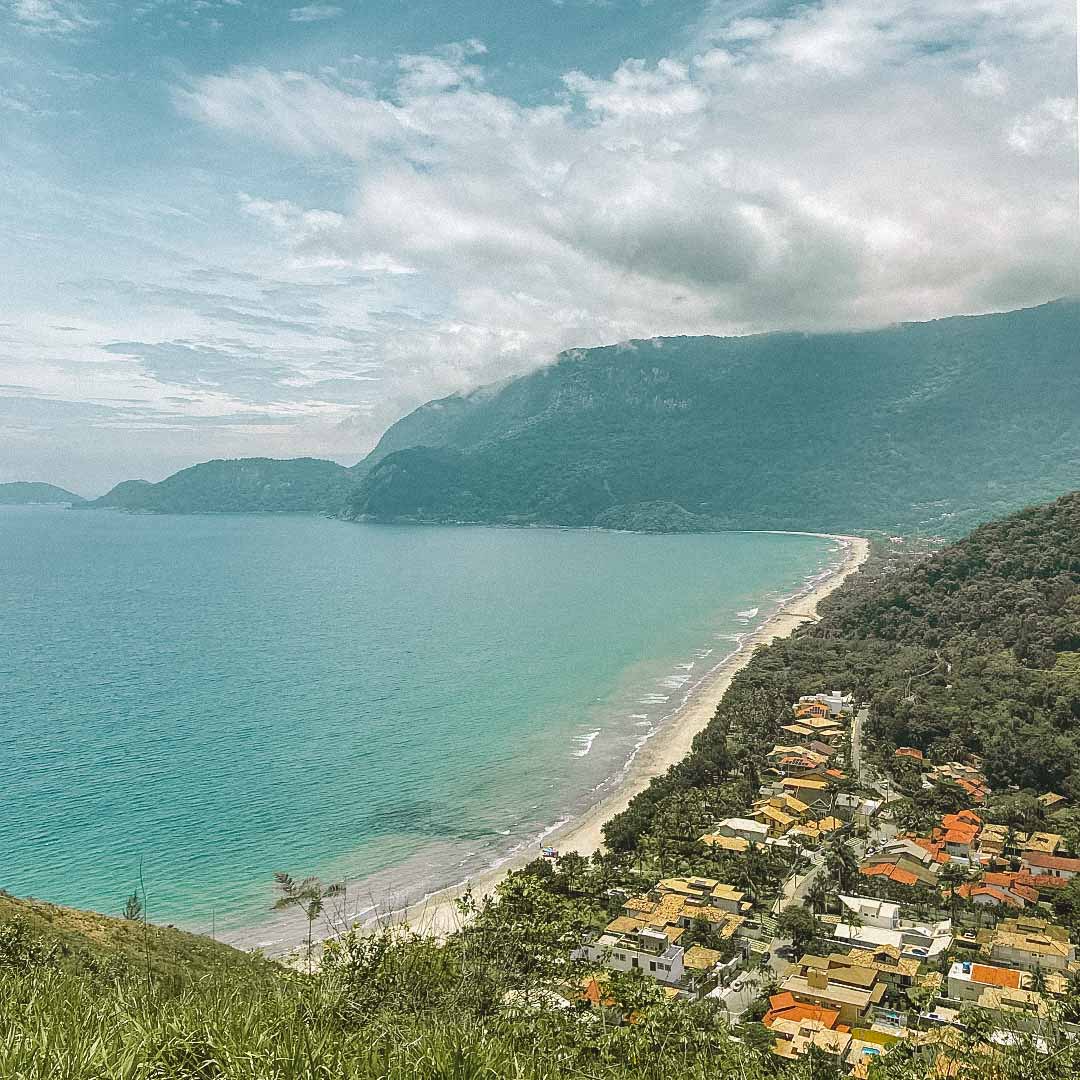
[[438, 914]]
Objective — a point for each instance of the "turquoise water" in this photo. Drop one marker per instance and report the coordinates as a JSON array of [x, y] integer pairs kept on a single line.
[[220, 697]]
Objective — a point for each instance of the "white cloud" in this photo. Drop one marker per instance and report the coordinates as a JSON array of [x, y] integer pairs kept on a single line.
[[314, 13], [50, 16], [848, 164], [1046, 128], [843, 165]]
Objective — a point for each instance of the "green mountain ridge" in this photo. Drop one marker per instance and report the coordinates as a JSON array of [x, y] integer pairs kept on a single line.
[[27, 493], [915, 425], [241, 485], [923, 426]]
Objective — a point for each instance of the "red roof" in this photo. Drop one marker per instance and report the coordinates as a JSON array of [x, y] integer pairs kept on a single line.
[[891, 871], [995, 976], [970, 891], [1042, 881], [785, 1007], [909, 751], [1051, 862]]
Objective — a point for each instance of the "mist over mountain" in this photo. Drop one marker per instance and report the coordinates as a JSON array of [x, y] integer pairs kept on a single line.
[[933, 425], [940, 424]]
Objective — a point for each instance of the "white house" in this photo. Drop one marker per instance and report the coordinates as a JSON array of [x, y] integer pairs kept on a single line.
[[878, 923], [627, 944], [744, 828]]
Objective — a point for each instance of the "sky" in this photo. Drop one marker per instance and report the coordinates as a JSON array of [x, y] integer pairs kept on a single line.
[[248, 227]]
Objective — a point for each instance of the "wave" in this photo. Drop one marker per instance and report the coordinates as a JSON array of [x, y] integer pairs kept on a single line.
[[749, 613], [585, 742], [653, 699]]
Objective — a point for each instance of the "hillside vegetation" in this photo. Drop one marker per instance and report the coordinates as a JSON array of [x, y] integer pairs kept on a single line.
[[937, 424], [24, 493], [933, 426], [243, 485]]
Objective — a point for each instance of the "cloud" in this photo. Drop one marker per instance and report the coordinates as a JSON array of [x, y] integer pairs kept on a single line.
[[50, 16], [314, 13], [840, 165]]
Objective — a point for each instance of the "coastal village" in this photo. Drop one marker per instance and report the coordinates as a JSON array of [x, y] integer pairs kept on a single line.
[[880, 935]]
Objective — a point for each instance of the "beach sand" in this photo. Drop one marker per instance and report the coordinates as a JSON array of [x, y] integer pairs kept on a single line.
[[438, 914]]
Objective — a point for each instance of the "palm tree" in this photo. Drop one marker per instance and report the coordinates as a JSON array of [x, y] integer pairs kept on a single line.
[[308, 895]]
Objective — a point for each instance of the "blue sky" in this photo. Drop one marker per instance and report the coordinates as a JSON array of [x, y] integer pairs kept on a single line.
[[235, 227]]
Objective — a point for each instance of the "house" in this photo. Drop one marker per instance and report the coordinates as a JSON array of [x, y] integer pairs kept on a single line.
[[851, 992], [909, 752], [1050, 865], [1052, 800], [992, 888], [701, 892], [836, 702], [856, 809], [777, 821], [904, 861], [1043, 843], [747, 829], [815, 793], [1029, 943], [892, 966], [967, 981], [798, 1027], [958, 834], [878, 924], [629, 944], [734, 844], [812, 832]]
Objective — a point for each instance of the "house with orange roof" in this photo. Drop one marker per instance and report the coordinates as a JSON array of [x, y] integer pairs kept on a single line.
[[1051, 865], [909, 752], [989, 896], [966, 981], [785, 1007]]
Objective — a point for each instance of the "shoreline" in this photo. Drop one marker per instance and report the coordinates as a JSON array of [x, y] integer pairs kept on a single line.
[[437, 914]]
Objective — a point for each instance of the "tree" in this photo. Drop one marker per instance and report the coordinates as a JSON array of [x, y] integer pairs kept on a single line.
[[819, 894], [841, 863], [133, 909], [309, 895], [797, 923], [572, 866]]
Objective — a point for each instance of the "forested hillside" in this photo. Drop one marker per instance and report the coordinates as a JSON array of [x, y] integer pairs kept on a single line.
[[974, 650], [243, 485], [23, 493], [926, 426], [936, 425]]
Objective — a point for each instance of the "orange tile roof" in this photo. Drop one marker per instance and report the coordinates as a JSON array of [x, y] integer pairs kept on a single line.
[[909, 751], [891, 871], [1042, 881], [1052, 862], [798, 1012], [995, 976], [969, 891]]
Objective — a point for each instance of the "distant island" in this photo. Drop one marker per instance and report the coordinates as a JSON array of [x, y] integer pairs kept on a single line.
[[932, 426], [24, 493]]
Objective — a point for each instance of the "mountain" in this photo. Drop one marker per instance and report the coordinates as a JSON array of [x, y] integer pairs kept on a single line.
[[22, 493], [241, 485], [935, 425]]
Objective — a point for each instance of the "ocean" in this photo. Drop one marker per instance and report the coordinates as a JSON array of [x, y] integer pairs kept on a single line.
[[205, 700]]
